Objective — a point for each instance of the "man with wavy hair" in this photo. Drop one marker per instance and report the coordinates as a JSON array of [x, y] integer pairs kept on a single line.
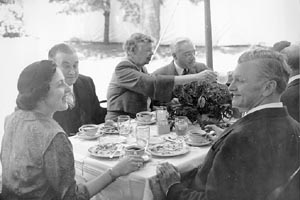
[[256, 157]]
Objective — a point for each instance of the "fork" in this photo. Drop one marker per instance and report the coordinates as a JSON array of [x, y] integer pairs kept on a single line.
[[119, 148]]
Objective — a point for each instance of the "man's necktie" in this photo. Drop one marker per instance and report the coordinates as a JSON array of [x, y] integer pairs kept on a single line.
[[185, 71]]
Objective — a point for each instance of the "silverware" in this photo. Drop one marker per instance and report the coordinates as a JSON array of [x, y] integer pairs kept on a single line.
[[119, 148]]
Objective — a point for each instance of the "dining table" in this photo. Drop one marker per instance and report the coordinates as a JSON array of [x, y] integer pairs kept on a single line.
[[138, 185]]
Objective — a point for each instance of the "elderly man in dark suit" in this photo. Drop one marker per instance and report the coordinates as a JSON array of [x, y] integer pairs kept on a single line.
[[131, 86], [291, 97], [85, 108], [183, 53], [184, 62], [258, 153]]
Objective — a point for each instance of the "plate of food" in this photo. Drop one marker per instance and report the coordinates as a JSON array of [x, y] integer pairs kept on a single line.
[[108, 128], [106, 150], [168, 149], [84, 136]]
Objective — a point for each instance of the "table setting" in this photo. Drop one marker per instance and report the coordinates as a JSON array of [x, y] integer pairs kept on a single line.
[[106, 143]]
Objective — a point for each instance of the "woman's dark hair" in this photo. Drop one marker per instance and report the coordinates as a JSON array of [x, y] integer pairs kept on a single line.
[[33, 83]]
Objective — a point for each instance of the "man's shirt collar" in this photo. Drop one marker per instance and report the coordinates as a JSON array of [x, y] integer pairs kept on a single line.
[[294, 78], [268, 105]]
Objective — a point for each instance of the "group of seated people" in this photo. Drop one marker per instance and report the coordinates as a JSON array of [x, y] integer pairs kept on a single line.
[[255, 158]]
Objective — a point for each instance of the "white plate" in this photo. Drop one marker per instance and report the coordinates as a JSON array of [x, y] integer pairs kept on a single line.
[[82, 135], [196, 144], [108, 129], [168, 149], [105, 150], [146, 123]]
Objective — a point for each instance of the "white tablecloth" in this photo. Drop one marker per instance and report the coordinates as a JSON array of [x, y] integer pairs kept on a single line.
[[135, 186]]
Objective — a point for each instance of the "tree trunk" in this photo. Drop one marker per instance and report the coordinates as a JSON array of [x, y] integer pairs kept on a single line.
[[150, 18], [106, 5], [106, 27]]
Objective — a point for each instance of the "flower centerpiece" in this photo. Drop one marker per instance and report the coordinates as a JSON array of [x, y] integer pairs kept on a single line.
[[202, 102]]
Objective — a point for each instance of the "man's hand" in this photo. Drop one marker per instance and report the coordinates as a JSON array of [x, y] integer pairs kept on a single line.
[[168, 175], [207, 75], [217, 130]]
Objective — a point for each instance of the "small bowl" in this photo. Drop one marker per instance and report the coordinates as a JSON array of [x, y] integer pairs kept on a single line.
[[89, 129], [134, 150], [144, 116]]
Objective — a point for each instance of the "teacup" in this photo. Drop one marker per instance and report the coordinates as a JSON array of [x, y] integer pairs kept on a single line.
[[88, 129], [197, 136], [134, 150], [144, 116]]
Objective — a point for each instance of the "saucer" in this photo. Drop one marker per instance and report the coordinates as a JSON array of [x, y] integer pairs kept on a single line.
[[198, 144], [145, 123], [82, 135]]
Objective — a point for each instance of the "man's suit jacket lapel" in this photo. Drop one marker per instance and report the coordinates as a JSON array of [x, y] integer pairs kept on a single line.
[[172, 69], [78, 90]]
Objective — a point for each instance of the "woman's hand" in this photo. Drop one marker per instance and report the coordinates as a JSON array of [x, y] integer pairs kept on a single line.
[[127, 165]]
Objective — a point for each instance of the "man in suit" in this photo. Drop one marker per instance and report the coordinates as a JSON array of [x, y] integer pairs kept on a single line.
[[291, 97], [131, 86], [184, 62], [85, 108], [259, 152], [183, 53]]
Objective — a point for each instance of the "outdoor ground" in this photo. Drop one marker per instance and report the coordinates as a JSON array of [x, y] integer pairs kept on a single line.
[[96, 60]]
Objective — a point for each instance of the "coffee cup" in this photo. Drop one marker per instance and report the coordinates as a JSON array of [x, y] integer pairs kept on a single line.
[[144, 116], [197, 136], [134, 150], [88, 129]]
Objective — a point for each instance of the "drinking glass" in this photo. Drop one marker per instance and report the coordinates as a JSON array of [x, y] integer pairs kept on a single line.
[[142, 135], [181, 125], [161, 113], [124, 125]]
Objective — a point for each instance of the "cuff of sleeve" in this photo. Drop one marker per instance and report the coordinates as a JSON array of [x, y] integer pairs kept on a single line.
[[113, 177], [164, 88], [171, 186]]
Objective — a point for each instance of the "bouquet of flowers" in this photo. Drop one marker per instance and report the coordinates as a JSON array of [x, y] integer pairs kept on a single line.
[[201, 102]]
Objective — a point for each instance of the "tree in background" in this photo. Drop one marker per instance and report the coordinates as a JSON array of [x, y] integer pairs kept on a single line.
[[146, 14], [80, 6], [11, 18], [142, 13]]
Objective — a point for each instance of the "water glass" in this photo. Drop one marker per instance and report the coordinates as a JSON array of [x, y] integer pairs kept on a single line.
[[142, 135], [161, 113], [124, 125], [181, 125]]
